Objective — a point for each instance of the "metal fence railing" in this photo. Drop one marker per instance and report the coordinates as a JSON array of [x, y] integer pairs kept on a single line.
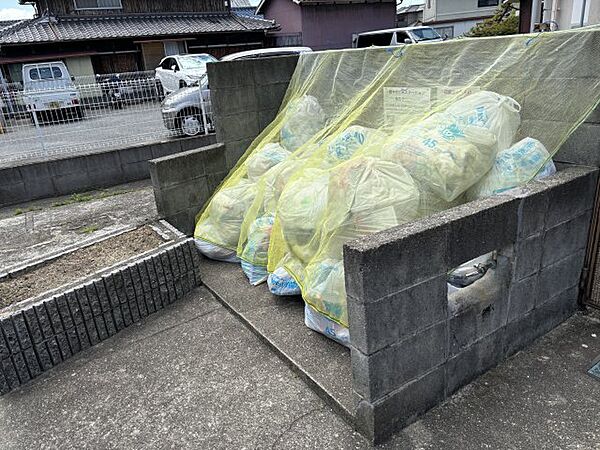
[[50, 117]]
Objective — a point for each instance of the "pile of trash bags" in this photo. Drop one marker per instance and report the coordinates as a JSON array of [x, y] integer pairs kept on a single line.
[[326, 173]]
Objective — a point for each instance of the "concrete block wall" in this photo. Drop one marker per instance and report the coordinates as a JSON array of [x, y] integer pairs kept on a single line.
[[185, 181], [246, 96], [55, 176], [583, 146], [412, 345]]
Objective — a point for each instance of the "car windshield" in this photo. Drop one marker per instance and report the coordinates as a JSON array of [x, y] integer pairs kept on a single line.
[[196, 61], [425, 34]]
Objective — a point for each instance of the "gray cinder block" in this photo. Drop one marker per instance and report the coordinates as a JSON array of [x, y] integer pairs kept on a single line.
[[92, 299], [475, 360], [54, 315], [54, 350], [392, 367], [566, 238], [10, 373], [378, 324], [21, 329], [10, 335], [379, 420], [32, 324]]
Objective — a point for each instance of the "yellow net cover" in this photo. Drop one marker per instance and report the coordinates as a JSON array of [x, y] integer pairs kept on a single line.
[[370, 139]]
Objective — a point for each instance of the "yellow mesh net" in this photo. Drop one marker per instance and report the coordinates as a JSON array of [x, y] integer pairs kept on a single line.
[[370, 139]]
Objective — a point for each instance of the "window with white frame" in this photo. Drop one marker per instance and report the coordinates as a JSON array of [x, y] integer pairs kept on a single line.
[[98, 4]]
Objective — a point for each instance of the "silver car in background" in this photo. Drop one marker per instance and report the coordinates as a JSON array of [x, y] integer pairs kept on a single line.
[[188, 111]]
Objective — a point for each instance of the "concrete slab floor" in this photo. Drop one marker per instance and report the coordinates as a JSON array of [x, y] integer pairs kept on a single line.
[[193, 376], [41, 227]]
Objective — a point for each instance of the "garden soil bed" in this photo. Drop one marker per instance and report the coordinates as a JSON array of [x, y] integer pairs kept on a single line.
[[78, 265]]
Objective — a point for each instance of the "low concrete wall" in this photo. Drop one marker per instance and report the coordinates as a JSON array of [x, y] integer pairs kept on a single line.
[[52, 177], [246, 96], [185, 181], [412, 346]]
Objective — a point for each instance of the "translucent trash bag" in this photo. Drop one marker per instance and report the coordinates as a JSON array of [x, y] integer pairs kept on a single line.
[[513, 167], [227, 209], [448, 152], [485, 109], [282, 283], [303, 119], [366, 195], [324, 325], [254, 256], [324, 289], [350, 140], [263, 159], [301, 207], [215, 252]]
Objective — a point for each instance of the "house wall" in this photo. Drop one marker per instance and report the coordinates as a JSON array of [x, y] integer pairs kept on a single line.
[[287, 14], [454, 10], [137, 6], [569, 14], [332, 26]]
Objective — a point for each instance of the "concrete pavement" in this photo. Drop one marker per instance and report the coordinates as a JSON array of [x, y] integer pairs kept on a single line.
[[194, 377]]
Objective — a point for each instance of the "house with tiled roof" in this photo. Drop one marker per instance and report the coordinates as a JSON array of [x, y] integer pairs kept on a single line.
[[106, 36], [325, 24]]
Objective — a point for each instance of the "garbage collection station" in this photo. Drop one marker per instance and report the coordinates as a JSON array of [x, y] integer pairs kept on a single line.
[[391, 222], [409, 195]]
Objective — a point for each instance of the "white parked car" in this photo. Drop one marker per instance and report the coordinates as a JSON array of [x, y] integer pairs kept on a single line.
[[177, 71], [395, 36], [49, 92], [266, 52]]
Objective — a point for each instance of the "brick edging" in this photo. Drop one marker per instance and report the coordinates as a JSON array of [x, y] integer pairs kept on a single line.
[[38, 337]]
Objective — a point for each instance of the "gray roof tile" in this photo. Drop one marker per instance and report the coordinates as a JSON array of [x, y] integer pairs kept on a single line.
[[60, 29]]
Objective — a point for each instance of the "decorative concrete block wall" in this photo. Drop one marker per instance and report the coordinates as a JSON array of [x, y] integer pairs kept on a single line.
[[36, 337], [246, 96], [185, 181], [412, 345]]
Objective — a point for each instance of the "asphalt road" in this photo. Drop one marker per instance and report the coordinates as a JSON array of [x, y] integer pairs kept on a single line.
[[106, 129]]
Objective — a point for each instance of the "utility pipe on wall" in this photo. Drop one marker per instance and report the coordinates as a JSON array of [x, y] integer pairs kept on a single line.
[[583, 5]]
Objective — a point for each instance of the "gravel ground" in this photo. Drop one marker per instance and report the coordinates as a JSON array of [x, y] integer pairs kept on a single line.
[[33, 230], [78, 264]]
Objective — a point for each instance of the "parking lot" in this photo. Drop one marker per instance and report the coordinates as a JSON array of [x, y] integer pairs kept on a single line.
[[109, 130]]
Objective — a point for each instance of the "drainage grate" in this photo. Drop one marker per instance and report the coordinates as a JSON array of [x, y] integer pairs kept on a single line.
[[595, 370]]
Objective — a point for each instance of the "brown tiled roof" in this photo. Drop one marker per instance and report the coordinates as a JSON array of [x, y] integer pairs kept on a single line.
[[60, 29]]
